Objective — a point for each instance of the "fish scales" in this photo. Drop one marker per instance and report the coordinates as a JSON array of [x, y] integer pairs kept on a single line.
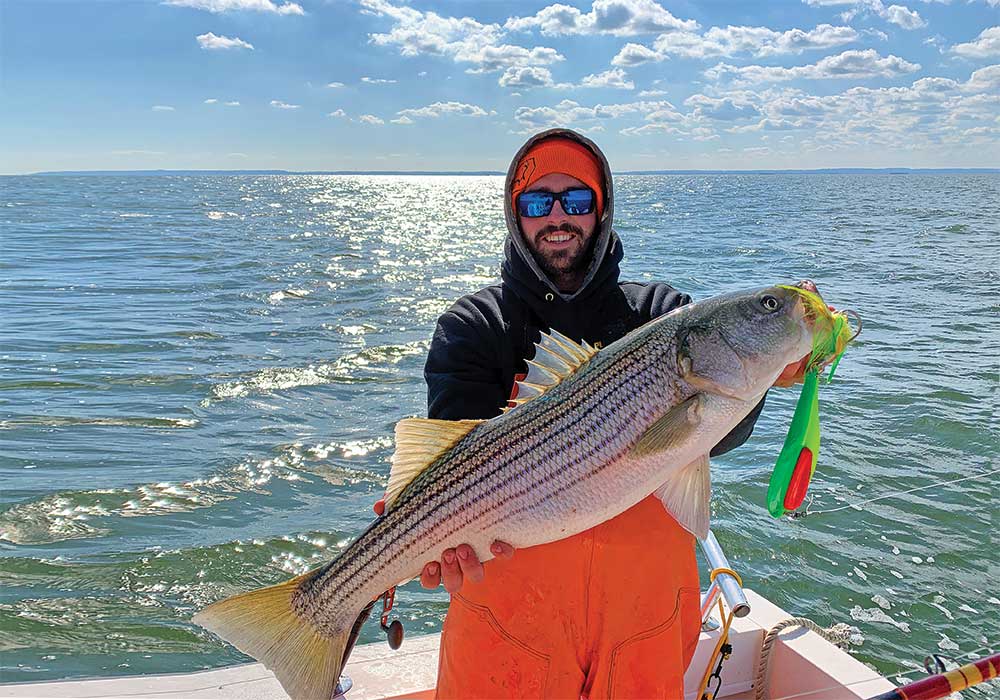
[[527, 444], [638, 417], [598, 393], [464, 486]]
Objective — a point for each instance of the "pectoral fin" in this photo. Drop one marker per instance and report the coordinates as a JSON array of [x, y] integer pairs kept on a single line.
[[673, 428], [687, 495]]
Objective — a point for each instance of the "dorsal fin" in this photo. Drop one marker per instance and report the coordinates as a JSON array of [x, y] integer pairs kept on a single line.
[[556, 357], [419, 442]]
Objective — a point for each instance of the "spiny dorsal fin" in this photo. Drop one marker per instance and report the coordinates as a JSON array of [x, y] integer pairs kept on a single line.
[[556, 357], [419, 442]]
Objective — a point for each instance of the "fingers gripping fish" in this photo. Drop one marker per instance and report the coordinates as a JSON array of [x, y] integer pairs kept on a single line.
[[594, 432]]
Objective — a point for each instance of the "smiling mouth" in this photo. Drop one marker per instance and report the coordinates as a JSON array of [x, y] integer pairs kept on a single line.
[[557, 237]]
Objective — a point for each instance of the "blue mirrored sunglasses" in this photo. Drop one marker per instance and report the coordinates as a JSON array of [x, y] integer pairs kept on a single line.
[[577, 201]]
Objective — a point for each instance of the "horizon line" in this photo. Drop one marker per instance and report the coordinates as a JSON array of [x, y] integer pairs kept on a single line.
[[681, 171]]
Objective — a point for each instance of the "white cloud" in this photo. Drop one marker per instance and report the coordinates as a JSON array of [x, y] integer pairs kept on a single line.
[[931, 112], [701, 133], [402, 120], [212, 42], [986, 44], [376, 81], [440, 109], [462, 39], [849, 64], [896, 14], [634, 55], [568, 112], [217, 6], [652, 93], [904, 17], [652, 128], [162, 108], [335, 85], [987, 79], [339, 113], [370, 119], [728, 41], [211, 101], [233, 103], [237, 155], [767, 125], [496, 58], [283, 105], [614, 78], [829, 3], [721, 108], [615, 17], [525, 77]]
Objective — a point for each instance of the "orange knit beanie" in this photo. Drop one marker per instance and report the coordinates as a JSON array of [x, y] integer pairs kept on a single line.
[[559, 154]]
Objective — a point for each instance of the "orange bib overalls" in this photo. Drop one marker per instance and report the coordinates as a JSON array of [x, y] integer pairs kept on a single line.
[[612, 612]]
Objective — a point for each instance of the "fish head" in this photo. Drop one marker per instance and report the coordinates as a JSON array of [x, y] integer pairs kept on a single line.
[[737, 344]]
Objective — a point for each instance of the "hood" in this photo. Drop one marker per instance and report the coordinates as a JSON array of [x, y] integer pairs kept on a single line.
[[520, 269]]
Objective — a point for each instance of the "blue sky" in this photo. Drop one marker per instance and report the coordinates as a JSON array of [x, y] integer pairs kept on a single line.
[[457, 85]]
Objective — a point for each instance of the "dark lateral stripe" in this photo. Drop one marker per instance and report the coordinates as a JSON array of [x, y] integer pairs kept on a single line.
[[439, 493], [498, 451]]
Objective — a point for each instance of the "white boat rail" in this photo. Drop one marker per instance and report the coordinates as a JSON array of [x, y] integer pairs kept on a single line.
[[722, 583]]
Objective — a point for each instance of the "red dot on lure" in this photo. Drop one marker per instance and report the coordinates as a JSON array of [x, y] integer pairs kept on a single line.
[[799, 483]]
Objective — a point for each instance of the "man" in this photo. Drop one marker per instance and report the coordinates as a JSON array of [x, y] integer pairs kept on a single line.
[[610, 612]]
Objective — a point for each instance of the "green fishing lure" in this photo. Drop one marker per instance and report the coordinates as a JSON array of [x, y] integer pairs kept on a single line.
[[796, 463]]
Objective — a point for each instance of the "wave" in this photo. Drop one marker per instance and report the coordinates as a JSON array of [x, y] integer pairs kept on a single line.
[[126, 421], [73, 515], [364, 366]]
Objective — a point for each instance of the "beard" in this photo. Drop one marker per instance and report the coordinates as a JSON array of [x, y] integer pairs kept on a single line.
[[557, 263]]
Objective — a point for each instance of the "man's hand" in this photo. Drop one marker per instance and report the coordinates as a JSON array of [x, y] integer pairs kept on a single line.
[[457, 564], [793, 374]]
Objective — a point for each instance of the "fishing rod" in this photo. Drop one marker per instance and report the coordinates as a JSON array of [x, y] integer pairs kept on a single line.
[[942, 685]]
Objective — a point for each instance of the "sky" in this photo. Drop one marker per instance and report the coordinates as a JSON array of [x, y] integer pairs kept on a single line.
[[459, 85]]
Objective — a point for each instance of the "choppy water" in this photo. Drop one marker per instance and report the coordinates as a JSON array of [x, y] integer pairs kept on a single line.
[[199, 378]]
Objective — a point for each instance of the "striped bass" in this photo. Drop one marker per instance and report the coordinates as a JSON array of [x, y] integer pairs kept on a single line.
[[594, 433]]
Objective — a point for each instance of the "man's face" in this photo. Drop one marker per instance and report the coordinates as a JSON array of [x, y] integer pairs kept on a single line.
[[559, 242]]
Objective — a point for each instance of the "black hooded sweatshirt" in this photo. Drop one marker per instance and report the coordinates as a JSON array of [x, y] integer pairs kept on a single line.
[[481, 342]]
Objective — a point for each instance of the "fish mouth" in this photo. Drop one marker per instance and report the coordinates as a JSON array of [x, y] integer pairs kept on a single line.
[[825, 330]]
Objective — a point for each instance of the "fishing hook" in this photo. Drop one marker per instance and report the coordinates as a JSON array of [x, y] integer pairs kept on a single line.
[[854, 314]]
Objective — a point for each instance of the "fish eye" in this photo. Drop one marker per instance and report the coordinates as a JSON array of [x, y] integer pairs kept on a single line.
[[770, 303]]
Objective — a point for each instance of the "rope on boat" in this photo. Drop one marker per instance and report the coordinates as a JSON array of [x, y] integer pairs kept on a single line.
[[858, 505], [838, 634]]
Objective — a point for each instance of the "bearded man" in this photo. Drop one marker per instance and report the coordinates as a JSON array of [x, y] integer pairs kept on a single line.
[[613, 612]]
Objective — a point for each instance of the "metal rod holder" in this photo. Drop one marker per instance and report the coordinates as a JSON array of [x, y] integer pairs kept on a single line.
[[724, 584]]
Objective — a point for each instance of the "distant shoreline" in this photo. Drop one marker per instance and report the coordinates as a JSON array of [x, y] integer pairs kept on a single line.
[[816, 171]]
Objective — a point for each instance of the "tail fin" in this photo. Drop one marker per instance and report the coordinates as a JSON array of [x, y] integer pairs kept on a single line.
[[306, 661]]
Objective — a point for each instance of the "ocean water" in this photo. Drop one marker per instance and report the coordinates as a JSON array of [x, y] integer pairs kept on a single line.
[[199, 377]]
